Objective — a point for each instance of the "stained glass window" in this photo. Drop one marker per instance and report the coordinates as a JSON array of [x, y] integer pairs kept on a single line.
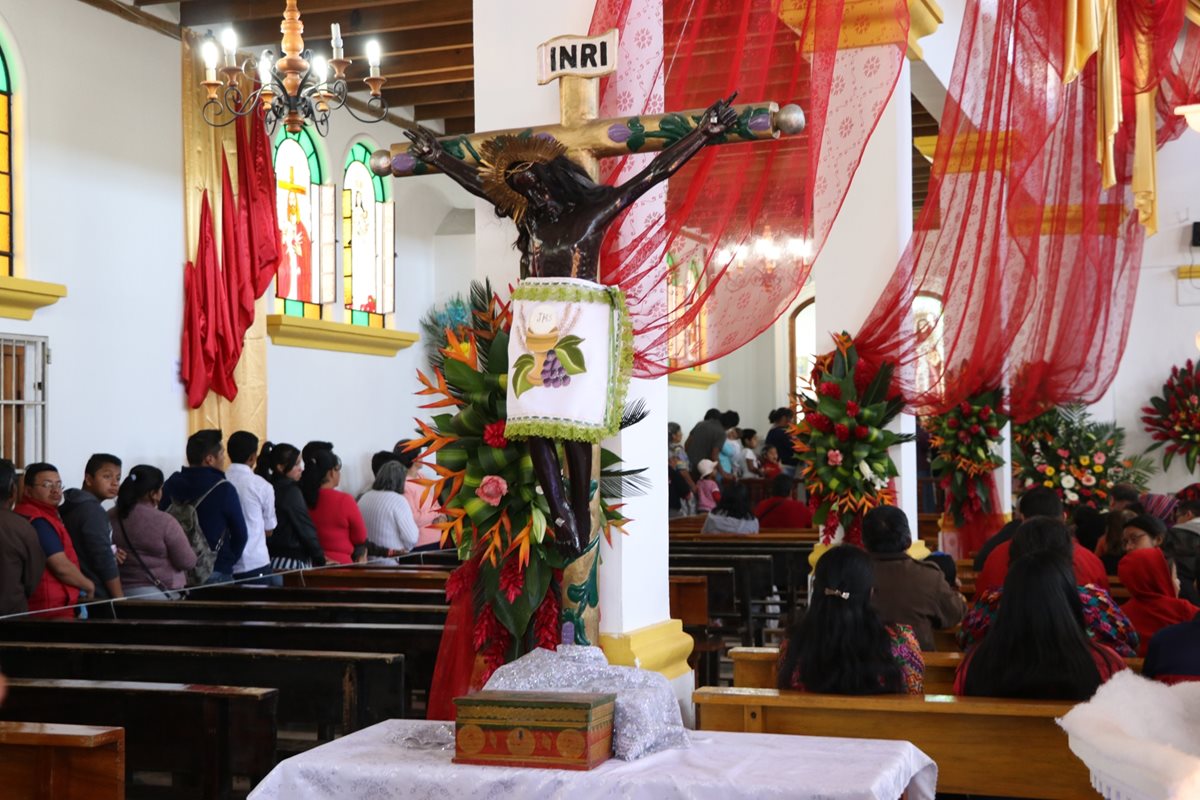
[[927, 318], [803, 346], [368, 242], [6, 177], [686, 281], [304, 278]]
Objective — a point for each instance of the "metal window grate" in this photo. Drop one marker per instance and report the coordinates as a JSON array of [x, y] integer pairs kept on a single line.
[[23, 366]]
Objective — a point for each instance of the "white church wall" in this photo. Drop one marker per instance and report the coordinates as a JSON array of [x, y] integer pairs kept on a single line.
[[102, 213], [1162, 332], [687, 406]]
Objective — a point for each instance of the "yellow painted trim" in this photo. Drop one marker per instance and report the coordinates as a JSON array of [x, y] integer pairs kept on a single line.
[[20, 297], [323, 334], [924, 18], [662, 648], [693, 379], [1188, 273], [926, 146]]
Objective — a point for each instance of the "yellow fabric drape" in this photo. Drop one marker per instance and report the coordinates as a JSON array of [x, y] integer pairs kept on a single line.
[[1091, 29], [203, 146]]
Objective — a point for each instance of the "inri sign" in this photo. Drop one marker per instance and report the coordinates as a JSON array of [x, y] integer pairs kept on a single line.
[[582, 56]]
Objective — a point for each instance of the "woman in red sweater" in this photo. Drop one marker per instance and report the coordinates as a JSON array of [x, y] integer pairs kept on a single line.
[[340, 527]]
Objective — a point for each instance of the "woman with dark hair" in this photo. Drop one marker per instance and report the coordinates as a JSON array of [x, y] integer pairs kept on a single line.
[[1110, 548], [780, 438], [158, 554], [732, 513], [340, 526], [840, 646], [1141, 532], [1038, 647], [1154, 589], [425, 508], [1047, 537], [391, 529], [294, 543]]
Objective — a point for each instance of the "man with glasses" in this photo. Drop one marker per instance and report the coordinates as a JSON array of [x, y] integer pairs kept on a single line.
[[62, 585]]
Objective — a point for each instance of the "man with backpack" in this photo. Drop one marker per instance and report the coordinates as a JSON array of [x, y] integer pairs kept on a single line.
[[208, 509]]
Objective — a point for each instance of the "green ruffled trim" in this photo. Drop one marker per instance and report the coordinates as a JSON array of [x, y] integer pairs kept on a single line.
[[620, 367]]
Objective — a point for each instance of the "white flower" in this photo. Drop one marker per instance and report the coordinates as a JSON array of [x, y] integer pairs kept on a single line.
[[1068, 481], [1072, 497], [865, 469]]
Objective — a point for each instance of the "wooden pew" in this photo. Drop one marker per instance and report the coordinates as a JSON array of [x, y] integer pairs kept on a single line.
[[333, 690], [946, 639], [981, 745], [61, 762], [202, 735], [351, 578], [305, 594], [689, 599], [755, 668], [418, 643], [376, 613]]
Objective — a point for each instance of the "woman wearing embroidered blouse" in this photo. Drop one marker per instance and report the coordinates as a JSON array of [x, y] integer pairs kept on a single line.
[[391, 528], [841, 646], [340, 527], [158, 554], [1038, 648]]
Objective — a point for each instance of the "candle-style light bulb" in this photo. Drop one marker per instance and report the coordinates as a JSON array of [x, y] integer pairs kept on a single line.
[[264, 68], [335, 34], [209, 53], [229, 41], [320, 68], [373, 57]]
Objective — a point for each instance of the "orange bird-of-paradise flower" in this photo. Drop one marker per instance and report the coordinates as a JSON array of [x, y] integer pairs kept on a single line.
[[464, 351], [441, 388]]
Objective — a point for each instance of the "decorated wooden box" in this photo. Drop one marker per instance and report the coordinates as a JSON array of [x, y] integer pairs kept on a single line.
[[552, 730]]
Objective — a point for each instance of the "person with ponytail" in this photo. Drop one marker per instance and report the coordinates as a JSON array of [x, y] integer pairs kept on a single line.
[[1038, 647], [841, 646], [158, 554], [340, 526], [294, 544]]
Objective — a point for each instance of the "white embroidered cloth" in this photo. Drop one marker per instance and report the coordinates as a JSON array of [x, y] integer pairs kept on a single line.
[[1139, 738], [377, 764]]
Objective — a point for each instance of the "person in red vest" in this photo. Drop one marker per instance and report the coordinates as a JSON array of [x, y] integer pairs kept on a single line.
[[62, 582]]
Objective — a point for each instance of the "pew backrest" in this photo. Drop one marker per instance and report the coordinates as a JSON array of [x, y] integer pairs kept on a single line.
[[62, 762]]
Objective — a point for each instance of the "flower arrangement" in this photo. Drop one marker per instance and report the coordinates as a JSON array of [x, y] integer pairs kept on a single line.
[[453, 316], [497, 516], [1173, 418], [843, 442], [967, 440], [1079, 458]]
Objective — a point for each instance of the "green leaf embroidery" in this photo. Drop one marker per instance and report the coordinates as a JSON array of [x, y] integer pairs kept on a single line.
[[520, 374], [570, 355]]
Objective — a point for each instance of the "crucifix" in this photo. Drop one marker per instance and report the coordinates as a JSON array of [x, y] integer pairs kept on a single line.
[[544, 178]]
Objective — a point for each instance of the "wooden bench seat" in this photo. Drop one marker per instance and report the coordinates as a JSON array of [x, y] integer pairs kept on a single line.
[[755, 668], [377, 613], [61, 762], [351, 578], [981, 745], [202, 735], [309, 594], [335, 691]]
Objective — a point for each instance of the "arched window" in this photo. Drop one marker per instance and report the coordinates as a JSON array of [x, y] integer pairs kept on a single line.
[[686, 282], [927, 319], [304, 278], [6, 169], [368, 241], [802, 337]]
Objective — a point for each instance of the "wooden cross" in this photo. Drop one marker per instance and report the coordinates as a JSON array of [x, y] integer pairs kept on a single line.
[[578, 63], [290, 185]]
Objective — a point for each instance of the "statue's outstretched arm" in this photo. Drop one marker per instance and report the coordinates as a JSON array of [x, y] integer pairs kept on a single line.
[[718, 119], [427, 148]]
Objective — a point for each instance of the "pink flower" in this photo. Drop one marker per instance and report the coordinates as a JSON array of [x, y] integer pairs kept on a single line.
[[1099, 458], [492, 489], [834, 458], [1063, 453]]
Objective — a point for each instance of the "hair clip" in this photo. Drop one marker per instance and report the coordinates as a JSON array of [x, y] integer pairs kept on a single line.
[[836, 593]]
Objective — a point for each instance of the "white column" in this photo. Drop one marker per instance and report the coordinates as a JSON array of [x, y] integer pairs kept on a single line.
[[864, 246]]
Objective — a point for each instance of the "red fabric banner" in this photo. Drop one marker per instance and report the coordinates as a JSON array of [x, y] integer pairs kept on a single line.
[[257, 187], [192, 370], [740, 226], [234, 273]]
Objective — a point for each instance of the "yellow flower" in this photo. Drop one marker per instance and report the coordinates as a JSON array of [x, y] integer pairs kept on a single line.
[[1098, 469], [1049, 484], [1049, 471], [1085, 460]]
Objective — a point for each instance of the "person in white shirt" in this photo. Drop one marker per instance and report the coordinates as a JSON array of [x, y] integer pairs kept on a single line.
[[748, 459], [391, 528], [257, 497]]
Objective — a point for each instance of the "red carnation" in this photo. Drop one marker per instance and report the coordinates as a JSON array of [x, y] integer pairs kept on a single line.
[[964, 407], [852, 409], [975, 429], [819, 422], [830, 389], [985, 412], [964, 437], [493, 435], [841, 431], [993, 432], [862, 432], [952, 423]]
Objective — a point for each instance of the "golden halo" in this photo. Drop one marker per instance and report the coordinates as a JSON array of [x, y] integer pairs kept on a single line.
[[504, 155]]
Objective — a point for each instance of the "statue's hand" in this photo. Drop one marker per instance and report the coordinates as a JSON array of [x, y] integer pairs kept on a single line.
[[425, 144], [720, 118]]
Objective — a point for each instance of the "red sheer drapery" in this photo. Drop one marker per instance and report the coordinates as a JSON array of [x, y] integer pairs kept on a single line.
[[738, 229], [1033, 261]]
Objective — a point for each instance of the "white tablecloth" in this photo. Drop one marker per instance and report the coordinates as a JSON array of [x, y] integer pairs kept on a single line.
[[375, 764]]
